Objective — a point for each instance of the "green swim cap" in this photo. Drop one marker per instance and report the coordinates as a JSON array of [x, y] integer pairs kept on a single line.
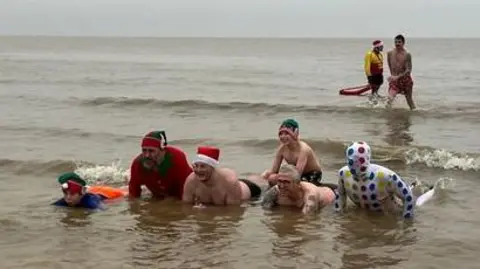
[[291, 124]]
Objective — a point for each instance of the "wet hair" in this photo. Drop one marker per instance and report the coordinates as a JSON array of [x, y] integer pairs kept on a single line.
[[291, 171], [401, 38]]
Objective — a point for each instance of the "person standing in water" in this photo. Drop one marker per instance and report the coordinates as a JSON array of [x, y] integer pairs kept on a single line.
[[295, 152], [400, 65], [374, 66]]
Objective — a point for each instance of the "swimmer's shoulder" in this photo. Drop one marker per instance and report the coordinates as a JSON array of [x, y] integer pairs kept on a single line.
[[307, 186], [192, 178], [281, 149], [305, 146], [227, 173], [382, 171], [343, 170]]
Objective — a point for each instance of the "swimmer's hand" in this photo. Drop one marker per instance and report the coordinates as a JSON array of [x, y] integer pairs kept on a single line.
[[392, 78], [270, 177], [310, 205], [270, 198], [266, 174], [199, 206]]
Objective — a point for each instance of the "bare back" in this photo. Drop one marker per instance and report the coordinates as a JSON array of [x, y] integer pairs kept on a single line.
[[308, 189], [302, 152]]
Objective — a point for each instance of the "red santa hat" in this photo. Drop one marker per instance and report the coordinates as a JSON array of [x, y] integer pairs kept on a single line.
[[377, 43], [207, 155]]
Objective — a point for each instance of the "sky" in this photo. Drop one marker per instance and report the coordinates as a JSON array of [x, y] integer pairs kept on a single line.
[[241, 18]]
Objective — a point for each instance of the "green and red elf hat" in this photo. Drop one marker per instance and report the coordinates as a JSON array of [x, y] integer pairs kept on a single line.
[[291, 127], [155, 139], [72, 183]]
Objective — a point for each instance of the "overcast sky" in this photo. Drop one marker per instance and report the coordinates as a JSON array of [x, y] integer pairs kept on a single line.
[[244, 18]]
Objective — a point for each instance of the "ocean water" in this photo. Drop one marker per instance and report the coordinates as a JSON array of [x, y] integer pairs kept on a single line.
[[84, 103]]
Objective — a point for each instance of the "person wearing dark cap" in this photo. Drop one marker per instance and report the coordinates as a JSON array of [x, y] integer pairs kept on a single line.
[[163, 169], [374, 66], [76, 193], [294, 152], [210, 184]]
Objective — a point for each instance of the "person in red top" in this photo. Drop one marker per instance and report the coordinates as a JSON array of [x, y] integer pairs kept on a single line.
[[162, 169]]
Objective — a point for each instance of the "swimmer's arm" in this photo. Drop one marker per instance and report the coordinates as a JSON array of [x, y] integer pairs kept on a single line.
[[95, 202], [278, 160], [408, 66], [310, 204], [275, 167], [403, 191], [101, 206], [270, 198], [60, 202], [340, 195], [189, 189], [367, 64], [302, 160], [134, 185]]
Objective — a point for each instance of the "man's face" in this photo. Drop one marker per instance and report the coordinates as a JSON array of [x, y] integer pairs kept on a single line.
[[72, 199], [203, 171], [285, 183], [379, 49], [398, 43], [151, 156]]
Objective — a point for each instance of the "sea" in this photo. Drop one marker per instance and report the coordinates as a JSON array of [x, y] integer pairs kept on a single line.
[[83, 104]]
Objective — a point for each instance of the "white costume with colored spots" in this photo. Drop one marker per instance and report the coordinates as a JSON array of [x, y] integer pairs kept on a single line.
[[367, 185]]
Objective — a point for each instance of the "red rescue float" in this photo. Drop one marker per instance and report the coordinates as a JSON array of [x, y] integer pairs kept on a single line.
[[357, 91]]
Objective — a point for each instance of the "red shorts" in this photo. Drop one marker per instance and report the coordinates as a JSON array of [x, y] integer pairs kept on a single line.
[[402, 85]]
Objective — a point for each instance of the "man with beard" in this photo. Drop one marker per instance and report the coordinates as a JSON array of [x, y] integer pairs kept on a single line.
[[291, 191], [210, 184], [161, 168], [294, 152]]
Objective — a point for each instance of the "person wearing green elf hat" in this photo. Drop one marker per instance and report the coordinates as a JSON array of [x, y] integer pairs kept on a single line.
[[75, 193], [295, 152], [162, 168]]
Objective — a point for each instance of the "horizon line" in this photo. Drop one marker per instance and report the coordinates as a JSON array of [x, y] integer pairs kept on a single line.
[[231, 37]]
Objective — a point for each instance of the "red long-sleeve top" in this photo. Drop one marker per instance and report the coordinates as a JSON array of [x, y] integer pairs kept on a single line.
[[166, 180]]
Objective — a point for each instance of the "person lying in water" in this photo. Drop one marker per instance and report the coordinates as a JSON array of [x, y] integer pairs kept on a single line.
[[295, 152], [76, 193], [291, 191], [372, 186], [209, 184], [160, 167]]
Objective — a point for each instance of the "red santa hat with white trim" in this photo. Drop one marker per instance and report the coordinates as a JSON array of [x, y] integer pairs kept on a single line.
[[377, 43], [207, 155]]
